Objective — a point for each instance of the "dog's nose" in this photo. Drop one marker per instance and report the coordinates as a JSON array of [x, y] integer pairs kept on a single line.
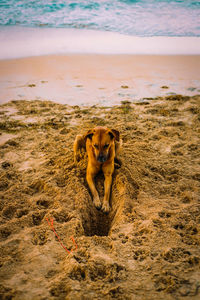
[[101, 158]]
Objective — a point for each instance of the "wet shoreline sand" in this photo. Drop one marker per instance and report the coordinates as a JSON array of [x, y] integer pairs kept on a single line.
[[98, 79]]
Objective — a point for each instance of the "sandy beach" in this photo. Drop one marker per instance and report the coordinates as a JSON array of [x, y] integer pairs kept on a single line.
[[147, 247], [67, 67], [98, 79]]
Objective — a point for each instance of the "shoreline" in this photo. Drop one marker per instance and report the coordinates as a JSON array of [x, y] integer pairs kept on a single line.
[[30, 41], [91, 79]]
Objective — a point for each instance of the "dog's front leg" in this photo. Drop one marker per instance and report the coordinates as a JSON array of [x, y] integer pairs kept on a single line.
[[107, 187], [90, 180]]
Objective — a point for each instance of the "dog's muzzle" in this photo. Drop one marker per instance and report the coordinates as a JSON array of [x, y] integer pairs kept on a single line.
[[101, 158]]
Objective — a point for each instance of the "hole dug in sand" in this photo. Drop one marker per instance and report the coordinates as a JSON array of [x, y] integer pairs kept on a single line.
[[123, 196], [97, 224]]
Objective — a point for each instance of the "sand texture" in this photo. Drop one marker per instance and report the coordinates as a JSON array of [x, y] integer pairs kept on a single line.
[[147, 247]]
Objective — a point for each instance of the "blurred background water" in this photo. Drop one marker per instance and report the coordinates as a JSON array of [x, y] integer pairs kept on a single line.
[[144, 18]]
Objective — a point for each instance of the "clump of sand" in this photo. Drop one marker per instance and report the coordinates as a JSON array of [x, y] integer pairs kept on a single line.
[[148, 245]]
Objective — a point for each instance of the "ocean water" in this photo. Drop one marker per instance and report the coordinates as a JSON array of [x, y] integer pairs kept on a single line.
[[99, 26], [130, 17]]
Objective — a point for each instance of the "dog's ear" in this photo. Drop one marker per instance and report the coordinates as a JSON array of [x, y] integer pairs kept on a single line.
[[114, 134], [89, 134]]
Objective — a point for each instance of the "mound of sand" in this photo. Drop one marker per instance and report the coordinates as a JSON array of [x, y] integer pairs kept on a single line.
[[148, 245]]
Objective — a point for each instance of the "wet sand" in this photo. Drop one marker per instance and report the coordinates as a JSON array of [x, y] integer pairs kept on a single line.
[[147, 247], [98, 79]]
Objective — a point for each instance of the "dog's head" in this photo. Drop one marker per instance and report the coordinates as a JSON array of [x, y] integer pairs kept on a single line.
[[102, 139]]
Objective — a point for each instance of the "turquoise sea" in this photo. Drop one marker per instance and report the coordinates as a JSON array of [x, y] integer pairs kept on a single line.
[[77, 26], [132, 17]]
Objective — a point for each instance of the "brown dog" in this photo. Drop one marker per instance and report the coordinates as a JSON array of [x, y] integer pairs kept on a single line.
[[102, 146]]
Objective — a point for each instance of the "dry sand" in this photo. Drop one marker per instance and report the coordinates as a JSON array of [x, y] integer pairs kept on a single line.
[[147, 247], [98, 79]]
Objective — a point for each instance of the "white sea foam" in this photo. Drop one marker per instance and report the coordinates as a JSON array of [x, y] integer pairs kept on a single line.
[[19, 42], [132, 17]]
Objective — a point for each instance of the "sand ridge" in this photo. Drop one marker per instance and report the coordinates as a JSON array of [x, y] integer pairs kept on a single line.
[[148, 245]]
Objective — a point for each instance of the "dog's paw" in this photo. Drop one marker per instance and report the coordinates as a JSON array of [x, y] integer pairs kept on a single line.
[[105, 207], [97, 202]]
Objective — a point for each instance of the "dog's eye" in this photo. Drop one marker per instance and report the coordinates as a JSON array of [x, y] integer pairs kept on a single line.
[[96, 146], [106, 146]]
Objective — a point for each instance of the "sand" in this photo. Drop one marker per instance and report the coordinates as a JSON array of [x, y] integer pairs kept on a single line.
[[147, 247], [98, 79]]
